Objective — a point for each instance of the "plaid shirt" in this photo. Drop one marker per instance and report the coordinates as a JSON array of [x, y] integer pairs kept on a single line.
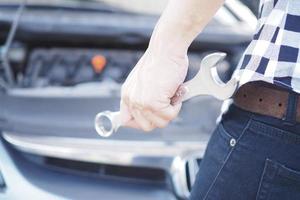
[[273, 54]]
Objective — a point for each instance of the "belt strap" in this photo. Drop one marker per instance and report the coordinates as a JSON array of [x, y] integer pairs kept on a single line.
[[269, 100]]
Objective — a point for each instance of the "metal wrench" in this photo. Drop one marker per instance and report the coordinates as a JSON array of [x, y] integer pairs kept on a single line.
[[204, 83]]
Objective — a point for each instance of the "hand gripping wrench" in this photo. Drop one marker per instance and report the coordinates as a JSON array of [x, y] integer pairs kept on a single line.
[[204, 83]]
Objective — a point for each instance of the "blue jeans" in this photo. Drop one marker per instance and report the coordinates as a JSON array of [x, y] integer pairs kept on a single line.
[[251, 156]]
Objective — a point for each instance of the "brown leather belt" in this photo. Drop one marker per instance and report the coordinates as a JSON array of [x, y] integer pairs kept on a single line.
[[264, 99]]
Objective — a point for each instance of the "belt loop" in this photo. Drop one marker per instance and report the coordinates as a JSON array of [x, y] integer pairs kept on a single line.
[[291, 109]]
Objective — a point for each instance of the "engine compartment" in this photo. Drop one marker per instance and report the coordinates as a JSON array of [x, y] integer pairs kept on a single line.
[[71, 66]]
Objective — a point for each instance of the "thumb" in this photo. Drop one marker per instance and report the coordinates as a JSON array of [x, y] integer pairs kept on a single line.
[[179, 94]]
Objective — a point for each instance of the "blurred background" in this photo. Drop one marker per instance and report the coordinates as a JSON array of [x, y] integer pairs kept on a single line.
[[62, 62]]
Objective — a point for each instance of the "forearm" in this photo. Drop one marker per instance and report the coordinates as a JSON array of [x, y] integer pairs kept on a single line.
[[180, 23]]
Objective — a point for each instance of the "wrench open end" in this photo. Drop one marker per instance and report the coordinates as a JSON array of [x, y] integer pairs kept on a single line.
[[213, 84], [213, 59]]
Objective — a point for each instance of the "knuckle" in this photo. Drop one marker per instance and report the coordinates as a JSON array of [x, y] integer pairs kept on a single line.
[[168, 117], [160, 126], [148, 129], [173, 115], [163, 125]]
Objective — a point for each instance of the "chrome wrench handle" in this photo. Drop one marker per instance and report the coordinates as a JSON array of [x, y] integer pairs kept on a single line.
[[204, 83]]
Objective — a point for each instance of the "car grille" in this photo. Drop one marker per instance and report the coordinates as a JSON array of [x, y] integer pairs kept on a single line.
[[159, 162]]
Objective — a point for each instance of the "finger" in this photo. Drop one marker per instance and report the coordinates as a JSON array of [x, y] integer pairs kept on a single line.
[[170, 112], [126, 117], [132, 124], [155, 120], [141, 120]]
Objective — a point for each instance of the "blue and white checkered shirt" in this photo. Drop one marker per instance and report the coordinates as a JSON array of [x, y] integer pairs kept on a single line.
[[273, 54]]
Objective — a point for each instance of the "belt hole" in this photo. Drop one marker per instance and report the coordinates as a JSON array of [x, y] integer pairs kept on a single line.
[[244, 95], [280, 104], [260, 99]]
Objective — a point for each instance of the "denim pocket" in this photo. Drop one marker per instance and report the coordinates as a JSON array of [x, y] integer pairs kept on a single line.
[[278, 182]]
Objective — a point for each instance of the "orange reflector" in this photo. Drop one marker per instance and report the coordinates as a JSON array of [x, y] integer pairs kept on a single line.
[[98, 63]]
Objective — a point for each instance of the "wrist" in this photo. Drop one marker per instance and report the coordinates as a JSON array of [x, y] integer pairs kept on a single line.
[[166, 42]]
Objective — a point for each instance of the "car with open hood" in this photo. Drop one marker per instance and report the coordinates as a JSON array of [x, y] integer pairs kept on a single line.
[[62, 62]]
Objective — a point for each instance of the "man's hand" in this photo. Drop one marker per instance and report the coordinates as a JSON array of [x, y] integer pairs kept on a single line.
[[147, 92]]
